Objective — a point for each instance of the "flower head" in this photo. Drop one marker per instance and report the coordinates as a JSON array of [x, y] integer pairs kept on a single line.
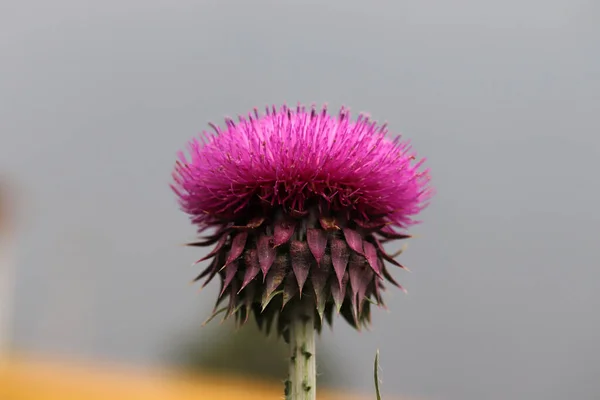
[[300, 201]]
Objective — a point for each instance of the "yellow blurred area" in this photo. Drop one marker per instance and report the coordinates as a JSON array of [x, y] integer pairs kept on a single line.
[[35, 379]]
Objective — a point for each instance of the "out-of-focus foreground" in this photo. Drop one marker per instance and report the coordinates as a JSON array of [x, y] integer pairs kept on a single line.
[[35, 379]]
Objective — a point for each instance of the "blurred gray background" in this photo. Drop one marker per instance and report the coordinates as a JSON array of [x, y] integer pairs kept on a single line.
[[502, 97]]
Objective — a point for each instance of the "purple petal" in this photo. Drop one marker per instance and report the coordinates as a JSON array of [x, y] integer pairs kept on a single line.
[[237, 247], [339, 257], [266, 254], [284, 229], [354, 240], [224, 174], [317, 242], [301, 260]]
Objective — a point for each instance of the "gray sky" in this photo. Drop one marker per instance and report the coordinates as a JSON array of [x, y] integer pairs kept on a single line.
[[501, 97]]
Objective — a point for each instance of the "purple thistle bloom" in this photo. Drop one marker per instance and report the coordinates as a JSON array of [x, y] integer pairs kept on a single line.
[[300, 201]]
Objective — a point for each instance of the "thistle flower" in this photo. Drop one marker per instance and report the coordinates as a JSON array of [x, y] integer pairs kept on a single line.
[[300, 203]]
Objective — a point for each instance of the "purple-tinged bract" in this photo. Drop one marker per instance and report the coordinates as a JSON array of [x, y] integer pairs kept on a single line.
[[300, 201]]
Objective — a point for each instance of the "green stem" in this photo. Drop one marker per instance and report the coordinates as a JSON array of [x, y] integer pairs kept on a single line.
[[301, 384]]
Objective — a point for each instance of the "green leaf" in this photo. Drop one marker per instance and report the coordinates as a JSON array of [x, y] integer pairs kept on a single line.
[[376, 375]]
